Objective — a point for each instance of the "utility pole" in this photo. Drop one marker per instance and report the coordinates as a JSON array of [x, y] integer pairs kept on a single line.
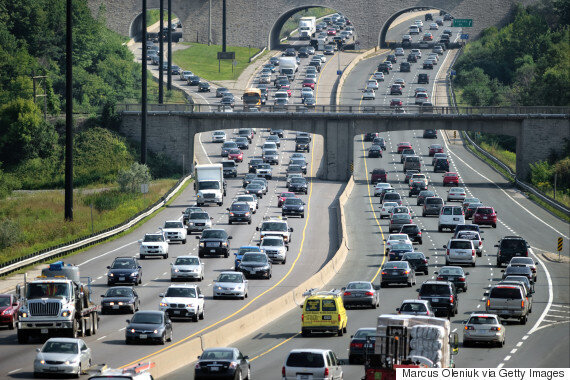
[[209, 22], [69, 115], [169, 75], [144, 86], [223, 25], [161, 55]]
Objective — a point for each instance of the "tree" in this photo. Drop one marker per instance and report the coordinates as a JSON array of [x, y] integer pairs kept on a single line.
[[131, 179]]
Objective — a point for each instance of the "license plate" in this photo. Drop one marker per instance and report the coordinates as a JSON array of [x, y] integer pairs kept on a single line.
[[212, 244], [455, 219], [53, 369], [176, 311], [368, 345], [394, 272], [485, 217], [304, 377], [121, 279], [214, 369], [44, 331], [436, 300], [212, 250], [142, 336], [115, 306], [326, 317]]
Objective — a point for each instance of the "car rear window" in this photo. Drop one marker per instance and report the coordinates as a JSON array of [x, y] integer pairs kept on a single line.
[[457, 211], [329, 305], [413, 307], [506, 293], [514, 245], [459, 244], [435, 289], [482, 321], [313, 305], [446, 211], [484, 211], [305, 359], [434, 201], [392, 196]]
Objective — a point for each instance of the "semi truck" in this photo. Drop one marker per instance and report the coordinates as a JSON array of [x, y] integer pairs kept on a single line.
[[209, 184], [410, 341], [58, 304], [307, 27], [288, 66]]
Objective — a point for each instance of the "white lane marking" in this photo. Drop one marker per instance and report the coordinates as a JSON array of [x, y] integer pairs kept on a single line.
[[14, 371], [525, 337], [507, 358], [550, 293], [103, 337], [501, 365], [514, 350], [106, 253], [121, 329], [519, 344], [203, 148]]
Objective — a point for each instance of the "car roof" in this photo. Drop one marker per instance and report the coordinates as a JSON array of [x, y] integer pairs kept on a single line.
[[183, 286], [312, 350]]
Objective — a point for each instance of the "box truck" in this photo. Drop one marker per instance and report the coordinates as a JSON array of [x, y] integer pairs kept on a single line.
[[307, 27], [209, 184]]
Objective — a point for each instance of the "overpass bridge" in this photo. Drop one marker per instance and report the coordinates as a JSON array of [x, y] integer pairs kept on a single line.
[[171, 129]]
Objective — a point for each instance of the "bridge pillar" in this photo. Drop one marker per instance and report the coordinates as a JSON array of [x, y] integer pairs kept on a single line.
[[537, 139], [338, 149]]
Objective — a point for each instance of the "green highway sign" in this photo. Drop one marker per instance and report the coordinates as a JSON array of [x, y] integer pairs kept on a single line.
[[462, 22]]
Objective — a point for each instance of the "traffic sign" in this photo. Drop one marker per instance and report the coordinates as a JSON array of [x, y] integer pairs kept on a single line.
[[453, 72], [462, 22], [339, 72], [465, 36], [560, 241]]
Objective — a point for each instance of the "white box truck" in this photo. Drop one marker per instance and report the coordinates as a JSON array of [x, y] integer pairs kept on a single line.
[[307, 27], [209, 184], [322, 42], [288, 66]]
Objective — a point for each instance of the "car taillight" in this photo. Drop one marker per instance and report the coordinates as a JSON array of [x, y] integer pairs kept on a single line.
[[526, 253], [302, 317], [420, 233], [439, 278], [347, 293], [283, 371], [339, 317], [461, 279], [406, 272], [369, 293], [448, 252], [488, 303], [533, 270], [498, 328], [197, 366], [451, 298], [469, 328], [522, 303], [326, 372], [480, 242], [356, 345], [383, 273], [462, 194], [425, 261], [472, 252]]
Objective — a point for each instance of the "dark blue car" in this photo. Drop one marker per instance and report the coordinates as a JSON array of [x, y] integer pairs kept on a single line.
[[242, 250]]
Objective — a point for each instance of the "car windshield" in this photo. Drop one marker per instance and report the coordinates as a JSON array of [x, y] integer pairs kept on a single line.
[[460, 244], [229, 145], [297, 180], [4, 301], [214, 234], [235, 151], [47, 290], [119, 292], [173, 225], [398, 237], [435, 201], [187, 261], [230, 277], [147, 318], [274, 226], [272, 242], [517, 270], [451, 271], [480, 320], [254, 257], [392, 196], [359, 285], [426, 194], [199, 215], [153, 238], [365, 333], [474, 205], [243, 250], [61, 347], [181, 292], [239, 207], [293, 201], [219, 133], [408, 229], [515, 245], [305, 360], [123, 264], [217, 355]]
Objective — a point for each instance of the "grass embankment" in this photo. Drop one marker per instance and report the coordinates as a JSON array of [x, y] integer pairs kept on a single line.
[[153, 16], [39, 216], [202, 60], [293, 21]]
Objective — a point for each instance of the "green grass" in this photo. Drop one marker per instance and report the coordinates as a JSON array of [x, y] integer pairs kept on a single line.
[[293, 21], [39, 217], [173, 96], [502, 171], [506, 157], [554, 211], [202, 60], [153, 16]]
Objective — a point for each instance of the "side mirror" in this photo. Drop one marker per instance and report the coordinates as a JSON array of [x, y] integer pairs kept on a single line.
[[227, 208], [161, 295], [230, 237], [198, 237], [482, 238], [246, 357], [486, 294], [398, 309], [418, 290], [168, 240], [108, 267], [436, 272], [496, 245], [102, 295], [445, 246], [467, 273], [198, 356], [200, 296], [502, 271], [536, 263], [182, 212], [211, 218], [343, 288], [257, 228], [128, 321], [291, 229], [38, 350], [139, 267], [259, 243], [301, 306]]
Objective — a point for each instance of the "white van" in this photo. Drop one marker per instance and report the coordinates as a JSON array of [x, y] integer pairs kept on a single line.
[[460, 251], [312, 363], [449, 217]]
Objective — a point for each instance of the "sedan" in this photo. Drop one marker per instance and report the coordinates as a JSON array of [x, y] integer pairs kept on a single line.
[[309, 83], [379, 187], [187, 268], [483, 327], [62, 356], [222, 363], [456, 194], [375, 151], [518, 270], [255, 264], [418, 261], [372, 85], [221, 91], [453, 274], [148, 326], [9, 307], [360, 293], [236, 155], [298, 185], [120, 298], [368, 94], [450, 178], [398, 220], [386, 209], [361, 345], [396, 89], [413, 231], [423, 195], [416, 307], [435, 148], [397, 250], [255, 189], [124, 270], [397, 272], [230, 284], [378, 76], [242, 143], [204, 87], [401, 82], [293, 207], [467, 201]]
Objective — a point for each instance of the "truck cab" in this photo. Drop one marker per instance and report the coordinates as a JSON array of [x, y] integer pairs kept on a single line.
[[275, 227], [209, 184]]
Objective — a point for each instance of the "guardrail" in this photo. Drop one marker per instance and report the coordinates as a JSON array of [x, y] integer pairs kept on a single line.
[[253, 57], [63, 249]]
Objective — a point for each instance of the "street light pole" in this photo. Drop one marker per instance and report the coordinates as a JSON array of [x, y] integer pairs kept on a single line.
[[69, 115], [161, 55], [144, 86], [223, 25], [169, 75], [209, 22]]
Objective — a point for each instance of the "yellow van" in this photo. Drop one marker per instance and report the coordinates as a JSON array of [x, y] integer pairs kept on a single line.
[[324, 312]]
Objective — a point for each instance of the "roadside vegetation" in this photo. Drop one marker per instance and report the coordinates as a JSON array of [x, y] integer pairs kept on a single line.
[[293, 21], [525, 63]]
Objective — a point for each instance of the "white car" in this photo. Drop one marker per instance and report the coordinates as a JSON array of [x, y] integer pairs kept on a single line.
[[250, 199], [386, 209], [368, 94], [275, 248], [419, 23], [312, 363], [183, 301], [456, 194], [475, 238], [187, 268], [433, 26], [417, 52], [175, 230], [230, 284], [275, 227], [372, 84], [421, 97], [379, 187], [311, 76], [63, 356], [307, 91], [460, 251], [418, 177], [155, 244], [449, 217], [218, 137], [399, 52], [379, 76], [321, 57], [396, 239]]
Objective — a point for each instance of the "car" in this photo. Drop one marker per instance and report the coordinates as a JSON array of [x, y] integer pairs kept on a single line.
[[378, 188], [450, 178], [412, 58], [298, 185], [255, 264], [204, 87], [429, 133], [185, 74], [518, 270], [386, 209], [183, 302], [433, 26], [219, 136], [255, 189], [423, 78], [274, 61], [471, 208], [400, 81], [360, 293], [413, 231], [9, 309], [483, 328], [228, 100], [313, 362], [230, 284], [222, 363], [252, 165], [310, 83], [403, 146], [235, 155], [226, 147], [473, 236], [409, 175], [361, 345], [397, 272], [148, 326], [368, 94], [270, 157], [449, 217], [442, 296], [437, 156], [439, 21], [405, 153], [405, 67], [378, 76], [442, 165], [261, 182], [154, 244], [290, 52], [508, 302], [239, 212], [307, 92], [69, 356], [509, 247], [421, 97], [416, 307], [284, 195], [375, 151], [242, 143], [453, 274], [378, 175], [414, 29], [230, 166], [250, 199], [311, 50], [396, 89], [433, 149], [187, 268], [293, 207], [438, 49], [461, 251], [397, 250], [125, 270], [456, 194], [175, 230], [398, 52], [198, 222], [120, 298], [214, 242], [417, 260], [331, 32], [391, 197], [423, 195], [521, 281], [298, 162], [469, 200], [428, 36], [485, 216], [525, 261], [275, 248], [371, 84], [432, 206], [193, 80]]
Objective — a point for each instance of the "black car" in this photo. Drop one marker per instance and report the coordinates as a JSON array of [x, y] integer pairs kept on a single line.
[[441, 165], [124, 270], [222, 363], [120, 298], [298, 185], [509, 247], [375, 151], [302, 163], [230, 168], [254, 188], [397, 272], [427, 65], [430, 133], [214, 242], [290, 52], [239, 212], [279, 132], [423, 195], [361, 345], [370, 136], [274, 61], [455, 275], [518, 270], [392, 58], [416, 188], [248, 178], [221, 91], [204, 87], [418, 261], [242, 143], [227, 101], [193, 80], [384, 68], [405, 67], [293, 207], [303, 53], [148, 326], [413, 231], [303, 144], [428, 17], [423, 77], [255, 264], [442, 296], [412, 58], [252, 166]]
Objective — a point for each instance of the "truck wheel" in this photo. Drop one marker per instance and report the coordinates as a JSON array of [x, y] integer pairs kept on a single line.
[[143, 257], [95, 325], [305, 333], [220, 203], [73, 332], [339, 333], [22, 337], [523, 320], [202, 314], [83, 330], [89, 331], [184, 241]]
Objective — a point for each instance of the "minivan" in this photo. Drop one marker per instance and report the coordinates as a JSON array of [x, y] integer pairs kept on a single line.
[[405, 67], [449, 217], [412, 163], [311, 363], [432, 206]]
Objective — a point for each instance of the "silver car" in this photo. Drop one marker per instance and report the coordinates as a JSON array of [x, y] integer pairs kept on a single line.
[[360, 293], [525, 261], [275, 248], [460, 251], [482, 327], [62, 356], [187, 268], [198, 222], [230, 284], [456, 194], [416, 307]]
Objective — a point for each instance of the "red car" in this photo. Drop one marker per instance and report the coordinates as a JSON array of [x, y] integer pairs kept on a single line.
[[379, 175], [404, 145], [331, 32], [396, 103], [435, 148], [428, 37], [450, 178], [9, 307], [286, 88], [236, 155], [485, 216], [284, 195], [309, 83]]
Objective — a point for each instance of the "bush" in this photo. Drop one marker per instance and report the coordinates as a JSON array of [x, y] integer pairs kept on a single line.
[[541, 173], [8, 183], [9, 233], [108, 200], [131, 179]]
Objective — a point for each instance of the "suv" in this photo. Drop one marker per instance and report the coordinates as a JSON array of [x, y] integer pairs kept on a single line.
[[323, 312], [275, 248], [509, 247], [303, 144], [183, 301], [239, 212], [214, 242], [449, 217], [423, 77], [378, 175], [432, 206], [442, 296], [312, 362], [230, 168], [507, 301], [441, 165], [412, 163], [275, 227], [461, 251], [175, 230], [153, 245], [413, 231], [124, 270]]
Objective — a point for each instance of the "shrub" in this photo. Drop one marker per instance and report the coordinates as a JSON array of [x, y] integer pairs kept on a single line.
[[8, 183], [131, 179], [9, 233], [541, 173], [108, 200]]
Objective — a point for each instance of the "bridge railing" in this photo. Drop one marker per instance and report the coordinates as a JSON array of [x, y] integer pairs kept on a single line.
[[350, 109]]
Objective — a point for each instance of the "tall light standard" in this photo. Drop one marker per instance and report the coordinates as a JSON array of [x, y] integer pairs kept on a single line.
[[144, 86], [169, 75], [161, 55], [69, 115]]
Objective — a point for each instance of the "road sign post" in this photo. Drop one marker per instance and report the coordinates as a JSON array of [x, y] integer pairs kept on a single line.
[[462, 23], [559, 246]]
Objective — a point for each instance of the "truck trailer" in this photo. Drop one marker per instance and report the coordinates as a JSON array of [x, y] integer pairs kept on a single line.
[[307, 27]]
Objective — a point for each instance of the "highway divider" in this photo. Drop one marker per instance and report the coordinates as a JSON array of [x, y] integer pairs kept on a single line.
[[184, 354]]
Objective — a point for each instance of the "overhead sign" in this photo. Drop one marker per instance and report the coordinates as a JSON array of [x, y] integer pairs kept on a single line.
[[462, 22], [465, 36], [560, 241], [226, 55]]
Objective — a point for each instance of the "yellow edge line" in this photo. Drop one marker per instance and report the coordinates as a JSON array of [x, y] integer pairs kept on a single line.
[[274, 347], [321, 73], [260, 295]]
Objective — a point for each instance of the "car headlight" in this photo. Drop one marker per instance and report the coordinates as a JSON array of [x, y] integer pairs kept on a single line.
[[23, 314], [163, 304], [65, 313], [132, 330], [191, 224], [218, 288], [111, 275], [225, 244], [42, 361], [68, 362], [134, 274], [201, 244], [7, 312], [155, 331], [175, 270]]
